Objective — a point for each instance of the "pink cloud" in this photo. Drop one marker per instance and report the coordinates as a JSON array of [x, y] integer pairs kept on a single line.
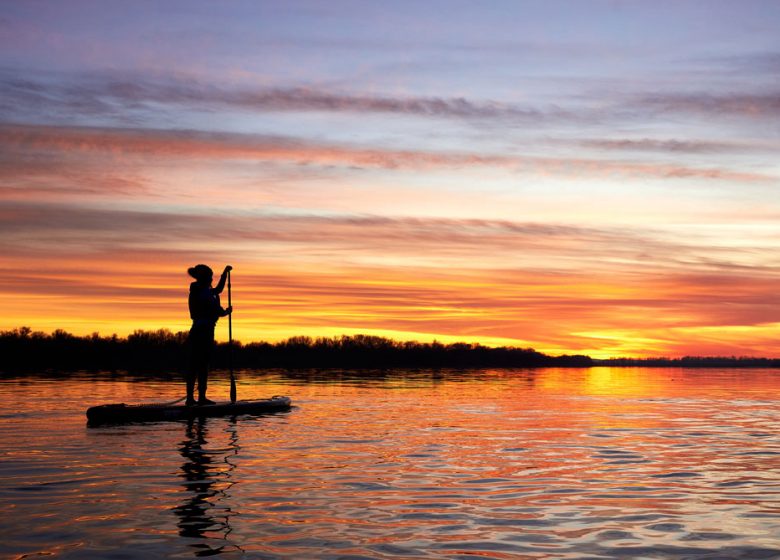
[[191, 144]]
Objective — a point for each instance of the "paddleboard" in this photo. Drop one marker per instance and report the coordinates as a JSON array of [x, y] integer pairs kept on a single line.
[[125, 413]]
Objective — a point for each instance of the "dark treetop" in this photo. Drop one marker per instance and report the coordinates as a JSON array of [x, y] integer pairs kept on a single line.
[[24, 350]]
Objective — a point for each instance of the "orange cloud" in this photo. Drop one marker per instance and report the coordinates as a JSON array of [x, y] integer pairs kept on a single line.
[[588, 311]]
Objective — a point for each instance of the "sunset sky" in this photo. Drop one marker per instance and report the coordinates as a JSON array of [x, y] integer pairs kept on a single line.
[[595, 177]]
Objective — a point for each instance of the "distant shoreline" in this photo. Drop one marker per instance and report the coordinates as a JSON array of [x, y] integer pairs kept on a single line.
[[23, 350], [691, 362]]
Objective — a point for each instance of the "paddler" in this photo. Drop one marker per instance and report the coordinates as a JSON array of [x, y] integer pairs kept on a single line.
[[205, 311]]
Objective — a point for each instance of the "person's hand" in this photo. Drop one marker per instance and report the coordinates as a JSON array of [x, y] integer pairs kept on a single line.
[[228, 268], [229, 310]]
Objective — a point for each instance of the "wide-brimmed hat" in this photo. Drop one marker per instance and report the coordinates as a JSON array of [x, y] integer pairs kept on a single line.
[[200, 272]]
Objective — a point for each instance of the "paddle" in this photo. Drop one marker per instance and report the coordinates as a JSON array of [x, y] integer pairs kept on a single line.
[[230, 345]]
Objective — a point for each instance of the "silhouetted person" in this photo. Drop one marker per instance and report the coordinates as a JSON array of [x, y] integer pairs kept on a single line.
[[205, 311]]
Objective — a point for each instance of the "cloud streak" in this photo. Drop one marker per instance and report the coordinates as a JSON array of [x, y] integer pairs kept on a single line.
[[753, 105], [361, 239], [194, 144], [673, 146], [118, 96], [94, 95]]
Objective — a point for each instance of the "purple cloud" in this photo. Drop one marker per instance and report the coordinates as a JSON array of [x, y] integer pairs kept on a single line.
[[671, 146], [754, 105], [90, 95]]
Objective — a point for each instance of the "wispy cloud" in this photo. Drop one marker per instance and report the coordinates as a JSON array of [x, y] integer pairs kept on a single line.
[[753, 105], [195, 144], [676, 146], [756, 64], [468, 243], [30, 178], [91, 95], [118, 96]]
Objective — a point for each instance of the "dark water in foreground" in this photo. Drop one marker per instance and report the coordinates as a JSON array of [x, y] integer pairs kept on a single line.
[[599, 463]]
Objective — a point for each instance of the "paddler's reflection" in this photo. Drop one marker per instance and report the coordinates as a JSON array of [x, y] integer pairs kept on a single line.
[[206, 473]]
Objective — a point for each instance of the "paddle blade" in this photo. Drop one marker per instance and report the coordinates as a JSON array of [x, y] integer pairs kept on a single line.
[[232, 388]]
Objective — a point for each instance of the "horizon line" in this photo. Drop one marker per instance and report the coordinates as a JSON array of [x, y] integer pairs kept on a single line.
[[30, 331]]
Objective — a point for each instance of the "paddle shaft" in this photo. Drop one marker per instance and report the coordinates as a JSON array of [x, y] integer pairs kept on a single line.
[[230, 343]]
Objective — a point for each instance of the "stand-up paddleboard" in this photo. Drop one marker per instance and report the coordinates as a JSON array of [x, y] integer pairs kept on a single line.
[[125, 413]]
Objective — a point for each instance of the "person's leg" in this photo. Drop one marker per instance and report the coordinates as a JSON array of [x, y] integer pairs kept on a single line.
[[190, 378], [207, 346], [203, 378], [192, 367]]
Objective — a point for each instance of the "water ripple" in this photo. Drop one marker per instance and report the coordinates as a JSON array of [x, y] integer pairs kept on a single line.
[[491, 465]]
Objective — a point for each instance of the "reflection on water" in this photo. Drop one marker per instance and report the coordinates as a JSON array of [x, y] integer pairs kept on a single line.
[[208, 477], [598, 463]]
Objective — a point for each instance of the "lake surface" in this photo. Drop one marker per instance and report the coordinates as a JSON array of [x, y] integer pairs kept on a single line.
[[551, 463]]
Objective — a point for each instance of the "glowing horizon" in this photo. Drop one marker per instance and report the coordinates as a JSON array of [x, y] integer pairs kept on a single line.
[[596, 179]]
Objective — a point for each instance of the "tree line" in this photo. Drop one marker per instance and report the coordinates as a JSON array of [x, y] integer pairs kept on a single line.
[[693, 362], [22, 349], [25, 350]]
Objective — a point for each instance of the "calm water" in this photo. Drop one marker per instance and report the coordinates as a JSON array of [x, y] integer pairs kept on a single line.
[[599, 463]]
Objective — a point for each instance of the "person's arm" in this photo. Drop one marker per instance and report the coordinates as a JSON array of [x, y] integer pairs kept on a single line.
[[222, 280], [215, 307]]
